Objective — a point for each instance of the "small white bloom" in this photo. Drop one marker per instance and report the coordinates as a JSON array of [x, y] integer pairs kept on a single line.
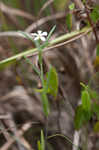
[[39, 35]]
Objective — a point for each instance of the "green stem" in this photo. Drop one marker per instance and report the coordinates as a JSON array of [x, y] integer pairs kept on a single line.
[[62, 38]]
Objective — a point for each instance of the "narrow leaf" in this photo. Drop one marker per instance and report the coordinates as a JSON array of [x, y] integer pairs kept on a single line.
[[93, 94], [48, 37], [33, 67], [95, 109], [50, 33], [39, 145], [52, 82], [86, 101], [72, 6], [69, 21], [45, 103], [42, 141], [95, 14], [81, 117], [26, 35]]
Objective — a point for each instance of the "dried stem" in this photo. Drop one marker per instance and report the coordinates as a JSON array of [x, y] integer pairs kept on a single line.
[[92, 25]]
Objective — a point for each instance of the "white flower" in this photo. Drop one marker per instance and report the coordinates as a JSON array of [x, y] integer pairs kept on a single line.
[[39, 35]]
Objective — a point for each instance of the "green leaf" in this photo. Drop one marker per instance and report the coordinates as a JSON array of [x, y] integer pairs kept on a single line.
[[48, 37], [95, 14], [93, 94], [52, 82], [97, 50], [96, 127], [86, 101], [42, 141], [84, 86], [72, 6], [27, 35], [45, 103], [51, 32], [81, 117], [33, 67], [39, 145], [95, 109], [69, 21]]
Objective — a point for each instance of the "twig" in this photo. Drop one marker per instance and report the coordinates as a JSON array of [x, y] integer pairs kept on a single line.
[[11, 34], [3, 130], [79, 4], [20, 133], [26, 144], [4, 116], [16, 12], [41, 21], [2, 127], [68, 106], [83, 39], [87, 55], [14, 131], [44, 6], [76, 139], [92, 25]]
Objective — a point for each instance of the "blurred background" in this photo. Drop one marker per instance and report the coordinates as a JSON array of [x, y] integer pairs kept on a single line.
[[21, 114]]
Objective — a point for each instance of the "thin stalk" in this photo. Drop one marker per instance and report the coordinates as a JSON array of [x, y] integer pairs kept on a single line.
[[42, 74], [43, 85]]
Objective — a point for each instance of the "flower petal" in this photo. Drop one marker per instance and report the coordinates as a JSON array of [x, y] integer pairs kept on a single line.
[[39, 32], [36, 38], [44, 33], [34, 34], [42, 38]]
